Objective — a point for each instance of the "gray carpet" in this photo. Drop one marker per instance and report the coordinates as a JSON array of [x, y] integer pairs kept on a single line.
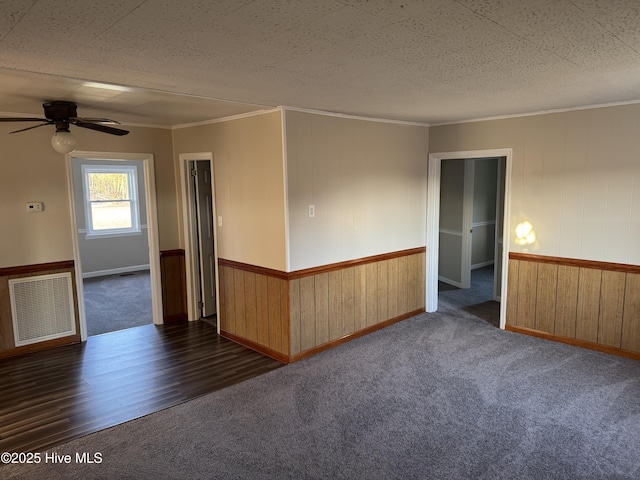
[[438, 396], [117, 302]]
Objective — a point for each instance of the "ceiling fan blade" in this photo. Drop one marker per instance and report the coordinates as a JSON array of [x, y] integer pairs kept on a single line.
[[29, 128], [101, 128], [2, 119], [93, 120]]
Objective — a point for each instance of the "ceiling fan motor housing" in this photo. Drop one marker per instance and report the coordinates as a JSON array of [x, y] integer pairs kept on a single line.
[[60, 110]]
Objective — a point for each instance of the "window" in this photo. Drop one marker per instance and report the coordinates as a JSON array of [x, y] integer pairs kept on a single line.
[[111, 200]]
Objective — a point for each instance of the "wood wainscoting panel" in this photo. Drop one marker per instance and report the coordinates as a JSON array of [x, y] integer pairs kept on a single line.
[[546, 289], [227, 299], [631, 319], [587, 303], [412, 290], [371, 280], [360, 274], [239, 306], [527, 287], [254, 307], [293, 314], [589, 284], [336, 318], [403, 284], [321, 286], [331, 305], [566, 301], [251, 308], [422, 280], [383, 291], [392, 279], [262, 309], [6, 323], [348, 302], [611, 308], [276, 317], [174, 285], [307, 313], [512, 292]]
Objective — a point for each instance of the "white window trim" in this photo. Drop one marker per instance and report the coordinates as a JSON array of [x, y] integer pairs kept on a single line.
[[132, 174]]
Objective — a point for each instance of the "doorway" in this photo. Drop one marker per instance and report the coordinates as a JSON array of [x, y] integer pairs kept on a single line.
[[469, 236], [458, 236], [200, 220], [115, 239]]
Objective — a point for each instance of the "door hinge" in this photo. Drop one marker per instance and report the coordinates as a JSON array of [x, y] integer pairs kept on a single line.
[[200, 305], [194, 172]]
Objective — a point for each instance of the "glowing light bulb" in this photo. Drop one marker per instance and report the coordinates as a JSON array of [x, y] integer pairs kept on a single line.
[[63, 142]]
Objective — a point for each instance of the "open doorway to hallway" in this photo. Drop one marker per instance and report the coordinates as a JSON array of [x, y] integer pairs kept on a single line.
[[466, 232], [471, 201], [199, 221]]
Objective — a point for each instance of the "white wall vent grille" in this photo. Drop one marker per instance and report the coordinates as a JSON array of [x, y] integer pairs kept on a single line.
[[42, 308]]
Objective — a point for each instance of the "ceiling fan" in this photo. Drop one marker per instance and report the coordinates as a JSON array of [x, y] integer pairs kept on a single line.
[[62, 114]]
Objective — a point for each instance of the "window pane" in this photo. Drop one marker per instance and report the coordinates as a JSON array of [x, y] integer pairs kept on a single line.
[[110, 215], [108, 186]]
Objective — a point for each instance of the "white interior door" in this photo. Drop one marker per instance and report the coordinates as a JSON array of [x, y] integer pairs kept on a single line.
[[497, 277], [456, 216], [205, 234]]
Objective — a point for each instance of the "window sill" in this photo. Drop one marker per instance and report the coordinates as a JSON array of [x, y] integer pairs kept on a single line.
[[94, 236]]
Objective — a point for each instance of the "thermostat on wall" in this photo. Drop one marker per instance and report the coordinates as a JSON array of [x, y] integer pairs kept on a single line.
[[34, 207]]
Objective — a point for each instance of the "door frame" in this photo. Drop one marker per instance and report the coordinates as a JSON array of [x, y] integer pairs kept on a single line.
[[433, 221], [190, 242], [152, 228]]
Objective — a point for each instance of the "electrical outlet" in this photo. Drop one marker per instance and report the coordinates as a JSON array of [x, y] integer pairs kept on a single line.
[[219, 220], [312, 211]]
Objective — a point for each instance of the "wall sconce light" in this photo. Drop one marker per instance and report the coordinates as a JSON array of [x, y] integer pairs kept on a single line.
[[525, 234]]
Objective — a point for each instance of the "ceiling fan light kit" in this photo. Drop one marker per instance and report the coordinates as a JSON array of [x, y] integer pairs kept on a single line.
[[62, 114], [63, 141]]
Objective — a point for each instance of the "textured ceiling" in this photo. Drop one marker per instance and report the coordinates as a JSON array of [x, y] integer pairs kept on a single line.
[[430, 61]]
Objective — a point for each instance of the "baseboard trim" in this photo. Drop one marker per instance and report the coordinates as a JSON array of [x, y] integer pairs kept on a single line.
[[115, 271], [449, 282], [354, 335], [320, 348], [256, 347], [36, 347], [475, 266], [576, 342]]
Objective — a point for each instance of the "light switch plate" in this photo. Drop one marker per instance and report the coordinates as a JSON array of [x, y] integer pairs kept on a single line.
[[34, 207]]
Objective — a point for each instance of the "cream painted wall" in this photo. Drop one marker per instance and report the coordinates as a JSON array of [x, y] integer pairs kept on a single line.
[[367, 181], [31, 171], [249, 185], [575, 177]]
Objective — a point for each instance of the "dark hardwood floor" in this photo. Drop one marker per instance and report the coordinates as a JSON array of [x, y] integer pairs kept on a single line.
[[50, 397]]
